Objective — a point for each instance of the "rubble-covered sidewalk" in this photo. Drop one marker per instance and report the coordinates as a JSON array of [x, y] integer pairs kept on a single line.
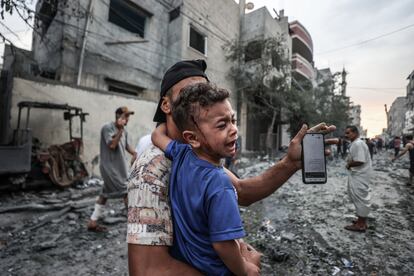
[[299, 228]]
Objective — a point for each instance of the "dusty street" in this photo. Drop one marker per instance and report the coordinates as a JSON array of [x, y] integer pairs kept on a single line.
[[302, 230], [299, 229]]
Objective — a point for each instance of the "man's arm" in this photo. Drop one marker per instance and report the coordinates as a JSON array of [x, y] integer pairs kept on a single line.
[[229, 253], [120, 123], [407, 147], [354, 164], [149, 260], [131, 151], [256, 188], [159, 137]]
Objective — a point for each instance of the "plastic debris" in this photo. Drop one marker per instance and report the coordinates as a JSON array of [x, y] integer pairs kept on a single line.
[[336, 270], [347, 263]]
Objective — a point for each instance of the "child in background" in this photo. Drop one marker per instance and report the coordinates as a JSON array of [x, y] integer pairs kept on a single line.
[[206, 217]]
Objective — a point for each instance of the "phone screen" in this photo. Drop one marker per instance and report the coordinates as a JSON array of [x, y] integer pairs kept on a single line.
[[313, 158]]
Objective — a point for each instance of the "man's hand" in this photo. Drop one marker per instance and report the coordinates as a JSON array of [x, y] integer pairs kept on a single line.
[[120, 122], [134, 157], [295, 146]]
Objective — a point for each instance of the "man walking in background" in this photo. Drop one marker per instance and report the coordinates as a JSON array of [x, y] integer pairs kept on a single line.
[[359, 178], [113, 165], [397, 145], [409, 147]]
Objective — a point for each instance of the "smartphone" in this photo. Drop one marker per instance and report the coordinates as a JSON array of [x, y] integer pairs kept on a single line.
[[313, 159]]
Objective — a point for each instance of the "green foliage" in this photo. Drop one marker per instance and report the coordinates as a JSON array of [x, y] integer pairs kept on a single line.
[[264, 81], [267, 89], [6, 6]]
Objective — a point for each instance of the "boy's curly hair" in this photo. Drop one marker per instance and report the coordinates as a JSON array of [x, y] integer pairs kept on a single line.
[[186, 109]]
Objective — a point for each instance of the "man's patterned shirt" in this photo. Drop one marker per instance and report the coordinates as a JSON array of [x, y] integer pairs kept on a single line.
[[149, 214]]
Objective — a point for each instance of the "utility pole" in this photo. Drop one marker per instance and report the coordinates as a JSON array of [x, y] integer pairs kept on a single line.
[[242, 6], [85, 34], [343, 82], [388, 118]]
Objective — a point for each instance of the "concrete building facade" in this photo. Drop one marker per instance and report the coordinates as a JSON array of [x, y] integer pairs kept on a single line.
[[302, 55], [409, 114], [104, 47], [126, 46], [355, 115], [120, 49], [396, 117], [259, 25]]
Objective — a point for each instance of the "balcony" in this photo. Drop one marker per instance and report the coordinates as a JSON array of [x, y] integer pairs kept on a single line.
[[301, 41], [302, 67]]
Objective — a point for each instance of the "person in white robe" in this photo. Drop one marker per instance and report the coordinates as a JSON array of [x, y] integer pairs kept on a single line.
[[359, 178]]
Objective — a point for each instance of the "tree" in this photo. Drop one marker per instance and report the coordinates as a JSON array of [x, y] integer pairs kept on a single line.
[[15, 6], [261, 72]]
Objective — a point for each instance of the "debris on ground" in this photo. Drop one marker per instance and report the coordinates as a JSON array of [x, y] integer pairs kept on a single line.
[[299, 229]]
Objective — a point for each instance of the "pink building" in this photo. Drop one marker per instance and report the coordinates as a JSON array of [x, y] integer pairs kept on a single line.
[[302, 54]]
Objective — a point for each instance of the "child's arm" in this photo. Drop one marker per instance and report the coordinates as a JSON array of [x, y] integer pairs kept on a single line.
[[159, 137], [229, 253]]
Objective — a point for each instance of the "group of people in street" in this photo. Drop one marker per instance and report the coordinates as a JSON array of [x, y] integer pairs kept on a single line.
[[182, 203], [375, 145]]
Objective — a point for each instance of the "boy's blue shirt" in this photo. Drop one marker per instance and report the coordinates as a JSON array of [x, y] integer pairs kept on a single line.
[[204, 208]]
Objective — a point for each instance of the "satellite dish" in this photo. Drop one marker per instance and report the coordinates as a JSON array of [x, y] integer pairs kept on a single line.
[[249, 6]]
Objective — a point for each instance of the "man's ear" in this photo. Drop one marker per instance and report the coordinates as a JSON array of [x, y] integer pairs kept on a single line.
[[191, 138], [166, 105]]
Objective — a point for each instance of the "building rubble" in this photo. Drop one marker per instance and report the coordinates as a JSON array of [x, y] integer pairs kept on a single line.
[[299, 228]]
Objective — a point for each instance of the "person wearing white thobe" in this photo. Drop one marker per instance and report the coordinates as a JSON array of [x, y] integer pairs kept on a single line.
[[359, 178]]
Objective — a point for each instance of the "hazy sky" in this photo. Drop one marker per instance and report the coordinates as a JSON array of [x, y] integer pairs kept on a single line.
[[377, 69]]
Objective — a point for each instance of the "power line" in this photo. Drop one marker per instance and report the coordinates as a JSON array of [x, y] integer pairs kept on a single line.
[[377, 88], [100, 35], [147, 36], [367, 40], [192, 9], [110, 37]]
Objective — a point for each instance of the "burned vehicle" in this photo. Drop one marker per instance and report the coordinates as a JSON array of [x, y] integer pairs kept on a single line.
[[61, 163]]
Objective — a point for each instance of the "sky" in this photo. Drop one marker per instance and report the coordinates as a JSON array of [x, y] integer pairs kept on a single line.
[[377, 68]]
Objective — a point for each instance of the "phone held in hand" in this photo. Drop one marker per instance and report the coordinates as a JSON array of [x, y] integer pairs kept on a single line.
[[313, 159]]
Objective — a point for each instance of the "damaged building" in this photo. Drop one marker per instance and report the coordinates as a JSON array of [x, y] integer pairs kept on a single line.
[[396, 117], [102, 54], [400, 117]]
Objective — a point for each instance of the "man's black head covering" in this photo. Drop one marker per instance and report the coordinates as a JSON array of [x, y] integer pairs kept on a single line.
[[179, 71]]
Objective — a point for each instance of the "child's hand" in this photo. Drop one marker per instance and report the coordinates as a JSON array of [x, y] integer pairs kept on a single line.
[[250, 254], [252, 270], [159, 137]]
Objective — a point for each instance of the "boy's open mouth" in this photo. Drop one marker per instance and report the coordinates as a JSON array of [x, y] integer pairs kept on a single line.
[[231, 144]]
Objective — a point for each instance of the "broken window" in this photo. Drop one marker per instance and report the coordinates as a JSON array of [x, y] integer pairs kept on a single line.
[[277, 60], [123, 87], [174, 13], [197, 40], [46, 14], [253, 51], [129, 16]]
